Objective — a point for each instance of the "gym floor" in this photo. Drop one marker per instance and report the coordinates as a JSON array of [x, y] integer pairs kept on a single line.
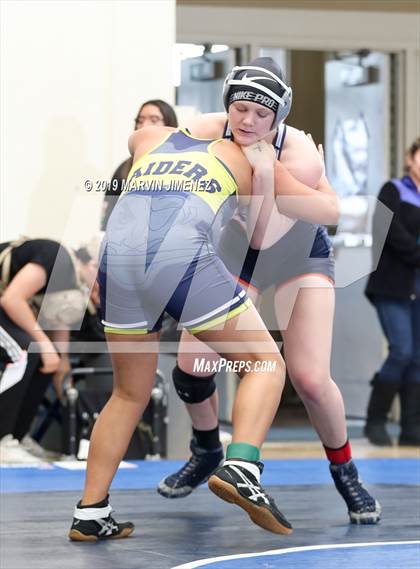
[[201, 530]]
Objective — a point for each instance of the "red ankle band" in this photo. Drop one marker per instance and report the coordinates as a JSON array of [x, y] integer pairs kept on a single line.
[[339, 455]]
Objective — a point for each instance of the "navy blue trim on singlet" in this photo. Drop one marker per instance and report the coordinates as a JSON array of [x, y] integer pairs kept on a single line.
[[226, 167], [178, 141], [281, 133]]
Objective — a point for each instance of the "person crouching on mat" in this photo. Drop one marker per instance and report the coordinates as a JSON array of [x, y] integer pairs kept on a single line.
[[159, 256], [44, 289]]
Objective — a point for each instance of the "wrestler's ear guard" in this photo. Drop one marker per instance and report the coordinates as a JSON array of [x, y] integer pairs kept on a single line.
[[239, 77]]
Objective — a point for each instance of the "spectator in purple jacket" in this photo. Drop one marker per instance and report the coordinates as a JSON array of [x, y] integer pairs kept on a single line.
[[394, 290]]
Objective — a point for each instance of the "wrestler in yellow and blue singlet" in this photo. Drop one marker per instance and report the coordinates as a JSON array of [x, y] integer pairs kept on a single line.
[[159, 249]]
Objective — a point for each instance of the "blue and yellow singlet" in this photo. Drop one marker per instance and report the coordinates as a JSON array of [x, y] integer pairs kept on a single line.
[[161, 237], [183, 164]]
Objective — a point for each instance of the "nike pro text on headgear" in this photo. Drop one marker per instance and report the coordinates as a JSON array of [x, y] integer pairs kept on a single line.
[[259, 82]]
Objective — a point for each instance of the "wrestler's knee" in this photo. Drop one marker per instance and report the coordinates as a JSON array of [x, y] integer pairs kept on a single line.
[[310, 382]]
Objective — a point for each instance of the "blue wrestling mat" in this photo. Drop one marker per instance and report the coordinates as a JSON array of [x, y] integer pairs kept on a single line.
[[146, 474], [397, 555], [36, 505]]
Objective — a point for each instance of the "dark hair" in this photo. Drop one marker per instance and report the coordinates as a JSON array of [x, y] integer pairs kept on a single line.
[[169, 116], [415, 145]]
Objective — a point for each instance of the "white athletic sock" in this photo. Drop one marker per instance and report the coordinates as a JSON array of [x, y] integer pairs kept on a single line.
[[92, 513]]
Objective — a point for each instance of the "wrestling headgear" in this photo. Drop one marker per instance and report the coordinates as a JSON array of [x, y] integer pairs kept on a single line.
[[259, 82]]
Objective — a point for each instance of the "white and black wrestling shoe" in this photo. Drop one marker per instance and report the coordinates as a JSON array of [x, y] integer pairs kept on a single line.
[[93, 523], [237, 482]]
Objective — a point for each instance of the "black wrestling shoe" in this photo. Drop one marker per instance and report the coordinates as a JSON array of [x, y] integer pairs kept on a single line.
[[201, 464], [235, 484], [362, 508], [93, 524]]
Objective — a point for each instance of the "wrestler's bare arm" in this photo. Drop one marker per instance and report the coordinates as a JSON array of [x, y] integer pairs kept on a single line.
[[208, 125], [297, 200], [299, 155], [301, 158]]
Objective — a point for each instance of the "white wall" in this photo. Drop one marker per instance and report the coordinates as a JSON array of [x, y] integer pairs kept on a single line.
[[73, 74]]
